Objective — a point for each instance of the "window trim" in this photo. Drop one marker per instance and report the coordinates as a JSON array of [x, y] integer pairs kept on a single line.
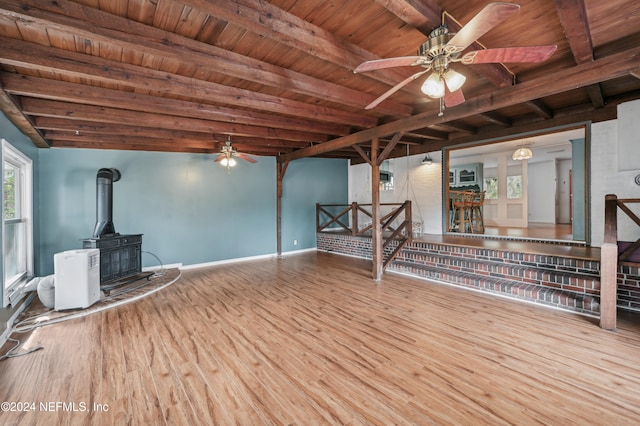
[[10, 292]]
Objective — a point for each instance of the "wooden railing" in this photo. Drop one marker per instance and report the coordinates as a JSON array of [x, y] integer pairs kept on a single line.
[[610, 256], [347, 218]]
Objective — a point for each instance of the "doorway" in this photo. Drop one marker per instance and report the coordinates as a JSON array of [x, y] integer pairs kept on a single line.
[[541, 197]]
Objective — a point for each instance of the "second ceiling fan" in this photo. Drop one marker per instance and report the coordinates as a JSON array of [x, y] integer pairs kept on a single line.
[[227, 154], [443, 49]]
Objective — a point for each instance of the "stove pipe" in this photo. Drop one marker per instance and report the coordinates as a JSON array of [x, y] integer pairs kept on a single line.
[[104, 202]]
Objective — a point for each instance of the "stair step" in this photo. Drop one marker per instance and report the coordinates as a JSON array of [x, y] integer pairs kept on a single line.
[[549, 296], [526, 273], [553, 280], [530, 259]]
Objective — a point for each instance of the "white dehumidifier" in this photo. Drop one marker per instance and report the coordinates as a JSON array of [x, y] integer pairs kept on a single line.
[[77, 278]]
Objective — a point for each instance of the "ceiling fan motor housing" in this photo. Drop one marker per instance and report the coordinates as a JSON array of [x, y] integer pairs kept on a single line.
[[438, 38]]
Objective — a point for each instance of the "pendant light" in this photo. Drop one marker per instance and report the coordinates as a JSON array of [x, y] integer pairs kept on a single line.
[[522, 153]]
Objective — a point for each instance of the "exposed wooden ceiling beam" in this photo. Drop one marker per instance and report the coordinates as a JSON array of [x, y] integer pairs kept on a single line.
[[362, 154], [457, 126], [563, 119], [129, 147], [220, 140], [151, 144], [269, 21], [538, 107], [80, 93], [57, 135], [41, 58], [423, 15], [495, 118], [427, 134], [16, 116], [56, 129], [603, 69], [389, 147], [49, 126], [573, 17], [45, 108], [90, 23], [595, 94]]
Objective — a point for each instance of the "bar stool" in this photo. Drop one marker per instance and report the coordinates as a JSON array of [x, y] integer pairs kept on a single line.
[[461, 204], [477, 221]]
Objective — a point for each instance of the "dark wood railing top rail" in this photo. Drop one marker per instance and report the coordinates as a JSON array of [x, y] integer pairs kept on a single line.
[[360, 204]]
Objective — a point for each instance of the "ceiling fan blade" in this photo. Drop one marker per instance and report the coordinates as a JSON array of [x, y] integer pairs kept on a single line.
[[402, 61], [486, 19], [452, 99], [394, 89], [245, 157], [220, 158], [509, 54]]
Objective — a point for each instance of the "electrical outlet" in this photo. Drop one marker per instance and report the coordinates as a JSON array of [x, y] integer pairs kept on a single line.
[[295, 242]]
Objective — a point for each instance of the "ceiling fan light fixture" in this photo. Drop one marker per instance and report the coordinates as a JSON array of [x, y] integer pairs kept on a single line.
[[454, 80], [433, 86], [522, 153], [228, 162]]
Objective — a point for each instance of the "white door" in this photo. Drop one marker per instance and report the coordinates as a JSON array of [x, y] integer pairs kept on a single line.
[[510, 207]]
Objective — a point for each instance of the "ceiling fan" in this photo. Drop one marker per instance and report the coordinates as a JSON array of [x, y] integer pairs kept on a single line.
[[227, 154], [442, 49]]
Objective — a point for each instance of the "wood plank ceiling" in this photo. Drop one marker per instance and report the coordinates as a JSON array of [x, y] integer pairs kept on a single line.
[[277, 77]]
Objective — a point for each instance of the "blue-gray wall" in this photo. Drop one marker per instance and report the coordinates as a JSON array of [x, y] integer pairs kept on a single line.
[[189, 208], [327, 180]]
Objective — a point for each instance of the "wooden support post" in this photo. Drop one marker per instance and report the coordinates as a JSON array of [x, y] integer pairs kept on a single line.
[[354, 218], [608, 286], [281, 169], [609, 265], [376, 232], [409, 218]]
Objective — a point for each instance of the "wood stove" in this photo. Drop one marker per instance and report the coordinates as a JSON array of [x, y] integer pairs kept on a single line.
[[120, 255]]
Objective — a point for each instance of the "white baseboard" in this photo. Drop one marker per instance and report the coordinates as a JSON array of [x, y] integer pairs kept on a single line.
[[243, 259], [294, 252], [159, 267]]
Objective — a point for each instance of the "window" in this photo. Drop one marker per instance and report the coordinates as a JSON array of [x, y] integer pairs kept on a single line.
[[514, 186], [491, 188], [17, 241]]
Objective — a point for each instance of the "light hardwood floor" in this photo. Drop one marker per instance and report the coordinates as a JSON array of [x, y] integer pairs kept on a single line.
[[311, 339]]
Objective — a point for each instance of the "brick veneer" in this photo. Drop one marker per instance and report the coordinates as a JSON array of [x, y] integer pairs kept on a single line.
[[629, 287], [566, 283]]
